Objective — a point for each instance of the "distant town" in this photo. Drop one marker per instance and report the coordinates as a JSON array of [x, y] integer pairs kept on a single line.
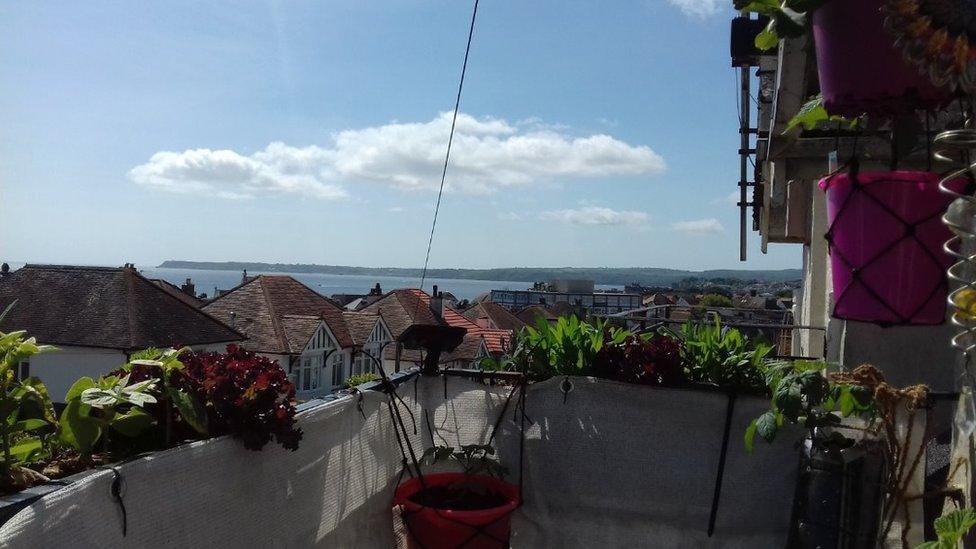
[[648, 276]]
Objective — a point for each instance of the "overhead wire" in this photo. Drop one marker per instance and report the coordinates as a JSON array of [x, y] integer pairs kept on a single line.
[[450, 142]]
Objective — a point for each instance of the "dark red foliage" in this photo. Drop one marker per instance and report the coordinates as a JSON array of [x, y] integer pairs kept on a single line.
[[655, 361], [246, 396]]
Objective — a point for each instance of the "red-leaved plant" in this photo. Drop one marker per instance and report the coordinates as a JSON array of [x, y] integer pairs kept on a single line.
[[246, 396], [241, 394], [653, 360]]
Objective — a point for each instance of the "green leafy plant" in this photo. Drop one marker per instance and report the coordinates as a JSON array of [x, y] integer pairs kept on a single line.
[[723, 357], [813, 113], [787, 18], [26, 410], [177, 399], [359, 379], [951, 529], [104, 410], [472, 458], [566, 347], [803, 395]]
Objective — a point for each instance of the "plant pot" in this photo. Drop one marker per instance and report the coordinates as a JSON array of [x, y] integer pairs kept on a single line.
[[885, 240], [432, 528], [860, 69]]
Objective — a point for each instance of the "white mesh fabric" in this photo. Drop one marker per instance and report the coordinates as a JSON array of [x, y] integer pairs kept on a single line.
[[334, 491]]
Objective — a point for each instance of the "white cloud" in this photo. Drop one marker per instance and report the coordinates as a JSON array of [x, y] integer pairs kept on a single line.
[[510, 216], [593, 215], [698, 227], [699, 8], [396, 209], [732, 198], [488, 154]]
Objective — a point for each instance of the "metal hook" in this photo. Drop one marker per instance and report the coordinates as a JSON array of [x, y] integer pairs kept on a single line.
[[359, 405], [566, 386]]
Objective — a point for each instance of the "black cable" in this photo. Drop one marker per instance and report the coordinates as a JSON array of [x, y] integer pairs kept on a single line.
[[450, 141]]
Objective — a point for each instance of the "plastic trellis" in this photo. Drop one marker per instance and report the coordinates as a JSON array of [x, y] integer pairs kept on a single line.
[[885, 240], [481, 535]]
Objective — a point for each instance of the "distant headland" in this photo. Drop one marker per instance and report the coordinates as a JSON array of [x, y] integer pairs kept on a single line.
[[600, 275]]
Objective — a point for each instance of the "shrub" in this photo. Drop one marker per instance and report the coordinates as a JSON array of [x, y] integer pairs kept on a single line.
[[245, 395], [723, 357], [648, 360], [567, 347], [715, 300], [359, 379]]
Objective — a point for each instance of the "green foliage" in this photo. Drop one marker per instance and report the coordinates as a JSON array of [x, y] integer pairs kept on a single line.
[[474, 459], [164, 366], [715, 300], [787, 18], [566, 347], [26, 411], [359, 379], [802, 395], [723, 357], [813, 113], [107, 410], [951, 528]]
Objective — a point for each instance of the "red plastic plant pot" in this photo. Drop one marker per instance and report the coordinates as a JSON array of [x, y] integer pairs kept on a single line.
[[861, 70], [885, 238], [430, 528]]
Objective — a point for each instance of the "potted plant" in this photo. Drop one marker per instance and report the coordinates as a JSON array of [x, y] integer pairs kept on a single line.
[[471, 508], [885, 238], [859, 66]]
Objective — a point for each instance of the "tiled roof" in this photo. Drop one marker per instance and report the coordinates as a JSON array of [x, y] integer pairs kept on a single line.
[[176, 292], [466, 351], [402, 308], [298, 329], [259, 306], [103, 307], [498, 315], [529, 314], [360, 325]]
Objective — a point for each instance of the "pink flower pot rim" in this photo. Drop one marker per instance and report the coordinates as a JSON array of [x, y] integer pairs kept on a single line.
[[866, 177], [412, 486]]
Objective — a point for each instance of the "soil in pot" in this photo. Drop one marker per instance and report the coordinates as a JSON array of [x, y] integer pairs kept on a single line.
[[461, 496]]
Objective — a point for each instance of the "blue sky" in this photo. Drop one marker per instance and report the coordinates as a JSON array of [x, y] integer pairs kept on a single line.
[[592, 134]]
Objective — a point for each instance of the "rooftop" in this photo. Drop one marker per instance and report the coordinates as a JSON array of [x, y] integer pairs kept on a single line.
[[104, 307]]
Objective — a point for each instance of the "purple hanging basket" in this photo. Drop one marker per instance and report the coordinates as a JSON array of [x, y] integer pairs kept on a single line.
[[885, 237], [861, 70]]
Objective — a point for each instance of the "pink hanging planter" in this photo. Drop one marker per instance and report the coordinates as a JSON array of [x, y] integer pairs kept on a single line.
[[885, 237], [860, 69]]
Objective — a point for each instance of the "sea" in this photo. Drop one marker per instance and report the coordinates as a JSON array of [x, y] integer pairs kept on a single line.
[[206, 281]]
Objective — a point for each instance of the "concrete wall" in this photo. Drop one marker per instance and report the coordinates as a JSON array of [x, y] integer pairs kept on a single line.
[[60, 369]]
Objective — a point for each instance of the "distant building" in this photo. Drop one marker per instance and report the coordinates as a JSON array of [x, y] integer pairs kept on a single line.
[[531, 314], [97, 317], [585, 302], [308, 334], [406, 307], [493, 316]]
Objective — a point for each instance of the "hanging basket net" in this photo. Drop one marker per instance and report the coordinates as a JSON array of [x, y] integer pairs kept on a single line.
[[885, 238]]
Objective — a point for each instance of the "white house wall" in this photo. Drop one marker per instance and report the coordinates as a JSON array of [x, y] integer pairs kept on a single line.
[[60, 369]]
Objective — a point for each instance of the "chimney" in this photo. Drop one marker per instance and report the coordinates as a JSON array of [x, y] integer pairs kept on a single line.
[[437, 304], [376, 290], [4, 269], [244, 276], [435, 294], [188, 288], [233, 319]]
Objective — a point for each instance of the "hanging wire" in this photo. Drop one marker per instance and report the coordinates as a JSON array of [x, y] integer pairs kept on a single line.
[[450, 141]]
